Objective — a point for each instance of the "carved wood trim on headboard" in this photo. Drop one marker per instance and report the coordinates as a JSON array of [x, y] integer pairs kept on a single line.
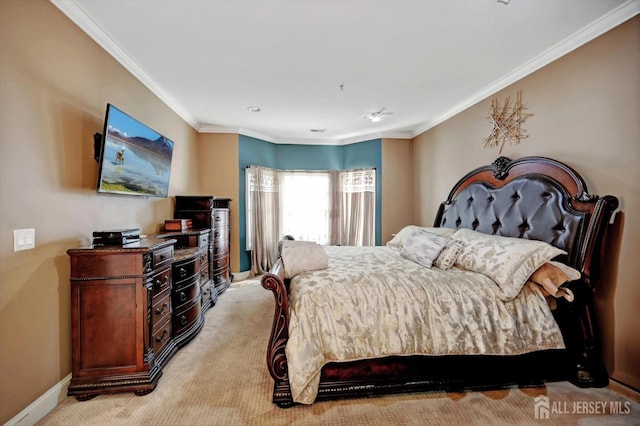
[[533, 197]]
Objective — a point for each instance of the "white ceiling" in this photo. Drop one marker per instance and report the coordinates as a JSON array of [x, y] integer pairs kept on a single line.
[[326, 64]]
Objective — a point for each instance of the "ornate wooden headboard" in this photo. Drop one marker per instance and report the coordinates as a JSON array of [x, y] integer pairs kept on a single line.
[[534, 198]]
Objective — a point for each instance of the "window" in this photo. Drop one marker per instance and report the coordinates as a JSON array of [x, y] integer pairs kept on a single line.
[[305, 205], [328, 207]]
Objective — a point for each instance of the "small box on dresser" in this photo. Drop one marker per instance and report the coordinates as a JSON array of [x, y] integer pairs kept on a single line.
[[208, 211]]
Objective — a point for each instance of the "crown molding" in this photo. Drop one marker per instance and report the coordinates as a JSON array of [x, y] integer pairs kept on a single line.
[[78, 14], [306, 141], [598, 27]]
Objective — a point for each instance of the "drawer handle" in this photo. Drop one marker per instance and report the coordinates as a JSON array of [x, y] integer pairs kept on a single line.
[[183, 272], [163, 256], [159, 339], [216, 234], [183, 296], [163, 310], [162, 283], [183, 320], [218, 218]]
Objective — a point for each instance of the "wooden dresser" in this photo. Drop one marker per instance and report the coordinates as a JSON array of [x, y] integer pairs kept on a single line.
[[121, 327], [132, 307], [207, 211]]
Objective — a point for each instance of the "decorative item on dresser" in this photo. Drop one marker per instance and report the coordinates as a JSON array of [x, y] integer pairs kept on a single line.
[[120, 317], [210, 212]]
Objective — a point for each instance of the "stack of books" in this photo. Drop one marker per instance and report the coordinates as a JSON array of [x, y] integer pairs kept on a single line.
[[179, 225]]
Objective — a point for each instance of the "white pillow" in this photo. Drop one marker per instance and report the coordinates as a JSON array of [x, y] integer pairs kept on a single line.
[[399, 239], [423, 248], [300, 257], [508, 261]]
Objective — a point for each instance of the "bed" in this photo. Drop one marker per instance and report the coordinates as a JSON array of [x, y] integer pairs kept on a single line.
[[363, 349]]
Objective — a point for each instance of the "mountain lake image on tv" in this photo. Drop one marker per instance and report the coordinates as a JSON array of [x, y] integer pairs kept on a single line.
[[135, 159]]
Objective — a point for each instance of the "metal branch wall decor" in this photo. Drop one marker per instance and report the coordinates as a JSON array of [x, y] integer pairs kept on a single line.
[[506, 120]]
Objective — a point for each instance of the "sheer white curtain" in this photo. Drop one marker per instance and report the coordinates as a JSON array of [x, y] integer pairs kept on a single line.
[[263, 217], [357, 207]]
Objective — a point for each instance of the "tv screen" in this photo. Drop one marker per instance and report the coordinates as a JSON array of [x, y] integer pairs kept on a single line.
[[134, 159]]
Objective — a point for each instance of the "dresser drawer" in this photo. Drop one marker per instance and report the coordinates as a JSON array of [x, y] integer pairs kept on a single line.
[[220, 219], [161, 336], [205, 292], [204, 273], [220, 247], [185, 295], [219, 234], [162, 257], [220, 262], [161, 309], [221, 277], [185, 272], [161, 282], [204, 257], [186, 318]]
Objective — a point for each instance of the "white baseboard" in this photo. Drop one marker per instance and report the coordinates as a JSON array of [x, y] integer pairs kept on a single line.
[[41, 406]]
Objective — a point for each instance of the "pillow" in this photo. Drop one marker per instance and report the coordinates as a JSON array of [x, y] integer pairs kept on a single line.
[[302, 257], [423, 248], [508, 261], [447, 257], [399, 239], [551, 275]]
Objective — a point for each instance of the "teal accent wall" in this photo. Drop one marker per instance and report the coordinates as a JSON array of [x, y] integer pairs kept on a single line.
[[309, 157], [252, 151]]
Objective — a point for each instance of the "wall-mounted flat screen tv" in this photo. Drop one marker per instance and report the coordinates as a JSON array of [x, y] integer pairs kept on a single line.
[[134, 159]]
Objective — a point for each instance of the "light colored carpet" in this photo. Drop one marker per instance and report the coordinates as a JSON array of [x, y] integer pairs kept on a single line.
[[221, 378]]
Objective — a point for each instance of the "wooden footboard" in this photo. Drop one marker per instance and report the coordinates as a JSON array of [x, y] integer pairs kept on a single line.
[[580, 363], [276, 358]]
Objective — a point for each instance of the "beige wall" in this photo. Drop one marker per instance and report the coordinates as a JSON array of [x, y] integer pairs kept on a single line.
[[586, 109], [397, 186], [218, 175], [55, 83]]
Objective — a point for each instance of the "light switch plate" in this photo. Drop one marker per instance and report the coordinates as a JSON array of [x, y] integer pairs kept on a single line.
[[24, 239]]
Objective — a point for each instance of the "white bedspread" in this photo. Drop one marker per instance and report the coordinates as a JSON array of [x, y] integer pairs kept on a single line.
[[372, 303]]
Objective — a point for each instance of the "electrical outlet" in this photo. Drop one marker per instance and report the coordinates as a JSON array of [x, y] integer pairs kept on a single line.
[[24, 239]]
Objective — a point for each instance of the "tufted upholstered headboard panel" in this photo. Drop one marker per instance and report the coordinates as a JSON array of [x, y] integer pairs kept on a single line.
[[534, 198]]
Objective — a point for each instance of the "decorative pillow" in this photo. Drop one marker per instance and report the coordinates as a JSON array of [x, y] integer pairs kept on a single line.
[[423, 248], [399, 239], [301, 257], [551, 275], [508, 261], [447, 257]]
